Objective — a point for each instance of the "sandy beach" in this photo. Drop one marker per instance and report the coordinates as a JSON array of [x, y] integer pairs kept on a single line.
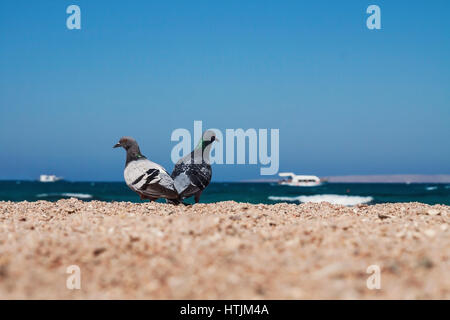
[[225, 250]]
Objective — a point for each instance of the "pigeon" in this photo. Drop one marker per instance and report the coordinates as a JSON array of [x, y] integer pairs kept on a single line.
[[192, 173], [148, 179]]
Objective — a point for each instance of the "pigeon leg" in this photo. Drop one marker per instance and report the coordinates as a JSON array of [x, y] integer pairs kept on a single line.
[[197, 196], [173, 201], [177, 202], [143, 197]]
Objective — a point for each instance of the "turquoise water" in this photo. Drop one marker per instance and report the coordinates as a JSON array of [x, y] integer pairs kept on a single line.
[[340, 193]]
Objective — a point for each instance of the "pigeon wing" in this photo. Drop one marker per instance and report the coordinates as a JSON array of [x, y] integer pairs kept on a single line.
[[149, 179], [189, 178]]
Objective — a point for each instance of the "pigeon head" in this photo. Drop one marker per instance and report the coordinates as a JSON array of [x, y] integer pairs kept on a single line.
[[208, 137], [126, 143], [132, 148]]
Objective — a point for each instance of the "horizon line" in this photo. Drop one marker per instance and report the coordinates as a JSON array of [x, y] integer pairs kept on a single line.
[[361, 178]]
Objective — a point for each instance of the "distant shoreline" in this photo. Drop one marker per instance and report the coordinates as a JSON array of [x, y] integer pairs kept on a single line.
[[394, 178]]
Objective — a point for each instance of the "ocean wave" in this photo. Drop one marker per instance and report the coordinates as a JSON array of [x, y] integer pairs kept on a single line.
[[331, 198], [65, 195], [431, 188]]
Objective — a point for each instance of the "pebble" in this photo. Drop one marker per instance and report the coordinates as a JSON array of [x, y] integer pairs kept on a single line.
[[430, 233], [433, 212]]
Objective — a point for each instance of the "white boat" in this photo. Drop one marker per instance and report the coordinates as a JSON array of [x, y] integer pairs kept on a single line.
[[299, 180], [49, 178]]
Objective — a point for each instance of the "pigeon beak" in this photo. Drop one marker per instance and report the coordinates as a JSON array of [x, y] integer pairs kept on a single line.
[[217, 140], [117, 145]]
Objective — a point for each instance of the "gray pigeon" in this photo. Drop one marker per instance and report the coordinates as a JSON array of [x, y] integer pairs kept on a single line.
[[193, 172], [148, 179]]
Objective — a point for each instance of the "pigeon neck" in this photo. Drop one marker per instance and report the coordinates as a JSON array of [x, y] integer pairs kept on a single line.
[[202, 150], [202, 145], [133, 153]]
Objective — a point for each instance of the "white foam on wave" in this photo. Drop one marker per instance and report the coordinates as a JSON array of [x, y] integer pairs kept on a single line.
[[431, 188], [66, 194], [78, 195], [42, 195], [331, 198]]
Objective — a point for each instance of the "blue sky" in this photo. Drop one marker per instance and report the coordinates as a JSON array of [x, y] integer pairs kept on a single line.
[[347, 100]]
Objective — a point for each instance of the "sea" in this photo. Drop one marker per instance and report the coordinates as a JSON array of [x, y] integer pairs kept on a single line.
[[348, 194]]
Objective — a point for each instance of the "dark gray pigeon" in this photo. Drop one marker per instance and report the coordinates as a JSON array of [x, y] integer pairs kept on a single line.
[[193, 172], [148, 179]]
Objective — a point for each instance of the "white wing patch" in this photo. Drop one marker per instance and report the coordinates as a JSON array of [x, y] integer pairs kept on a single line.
[[144, 173], [181, 182]]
